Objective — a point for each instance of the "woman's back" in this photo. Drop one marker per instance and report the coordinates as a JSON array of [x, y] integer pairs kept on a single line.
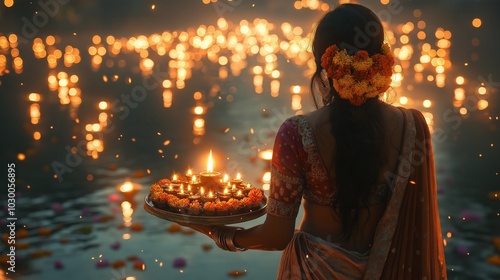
[[363, 170], [321, 220]]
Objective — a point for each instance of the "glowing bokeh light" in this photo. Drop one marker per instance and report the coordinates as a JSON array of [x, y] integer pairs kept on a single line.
[[476, 22], [103, 105]]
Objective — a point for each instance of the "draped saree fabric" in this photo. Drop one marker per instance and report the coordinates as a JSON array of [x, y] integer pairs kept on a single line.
[[407, 243], [310, 257]]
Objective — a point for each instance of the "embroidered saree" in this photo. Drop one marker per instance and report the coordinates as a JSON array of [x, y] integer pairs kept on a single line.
[[407, 243]]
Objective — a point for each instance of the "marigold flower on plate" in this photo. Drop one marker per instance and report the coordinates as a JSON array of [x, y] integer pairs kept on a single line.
[[209, 206], [164, 181], [195, 205], [182, 203], [155, 188]]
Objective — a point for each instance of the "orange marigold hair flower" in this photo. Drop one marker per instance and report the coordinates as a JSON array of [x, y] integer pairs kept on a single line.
[[360, 76]]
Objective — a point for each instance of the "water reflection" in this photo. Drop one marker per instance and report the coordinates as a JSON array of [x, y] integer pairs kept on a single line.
[[260, 52], [422, 54]]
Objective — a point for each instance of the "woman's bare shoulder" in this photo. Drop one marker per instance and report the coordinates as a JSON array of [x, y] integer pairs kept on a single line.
[[318, 116], [392, 112]]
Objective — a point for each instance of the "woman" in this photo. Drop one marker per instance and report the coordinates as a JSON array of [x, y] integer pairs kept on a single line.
[[364, 169]]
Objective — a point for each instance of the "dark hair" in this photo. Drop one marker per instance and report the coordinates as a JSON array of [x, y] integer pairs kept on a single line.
[[357, 130]]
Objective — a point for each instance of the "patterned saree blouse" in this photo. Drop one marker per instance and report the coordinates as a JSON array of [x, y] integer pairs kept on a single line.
[[407, 244], [298, 171]]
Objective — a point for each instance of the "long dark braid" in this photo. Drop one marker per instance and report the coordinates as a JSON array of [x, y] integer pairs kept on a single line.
[[357, 129]]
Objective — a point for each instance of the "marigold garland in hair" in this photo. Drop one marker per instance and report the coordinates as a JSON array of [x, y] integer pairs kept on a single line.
[[360, 76]]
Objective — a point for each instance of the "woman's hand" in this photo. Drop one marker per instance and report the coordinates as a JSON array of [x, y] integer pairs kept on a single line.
[[274, 234]]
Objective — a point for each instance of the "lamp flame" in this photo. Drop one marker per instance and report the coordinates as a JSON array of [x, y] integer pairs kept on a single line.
[[126, 187], [210, 167]]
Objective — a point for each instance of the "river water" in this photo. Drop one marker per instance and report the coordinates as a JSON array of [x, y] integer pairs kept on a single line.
[[73, 222]]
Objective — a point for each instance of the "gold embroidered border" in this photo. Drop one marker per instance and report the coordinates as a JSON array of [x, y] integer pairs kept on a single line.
[[318, 172], [387, 225], [282, 209], [286, 179]]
